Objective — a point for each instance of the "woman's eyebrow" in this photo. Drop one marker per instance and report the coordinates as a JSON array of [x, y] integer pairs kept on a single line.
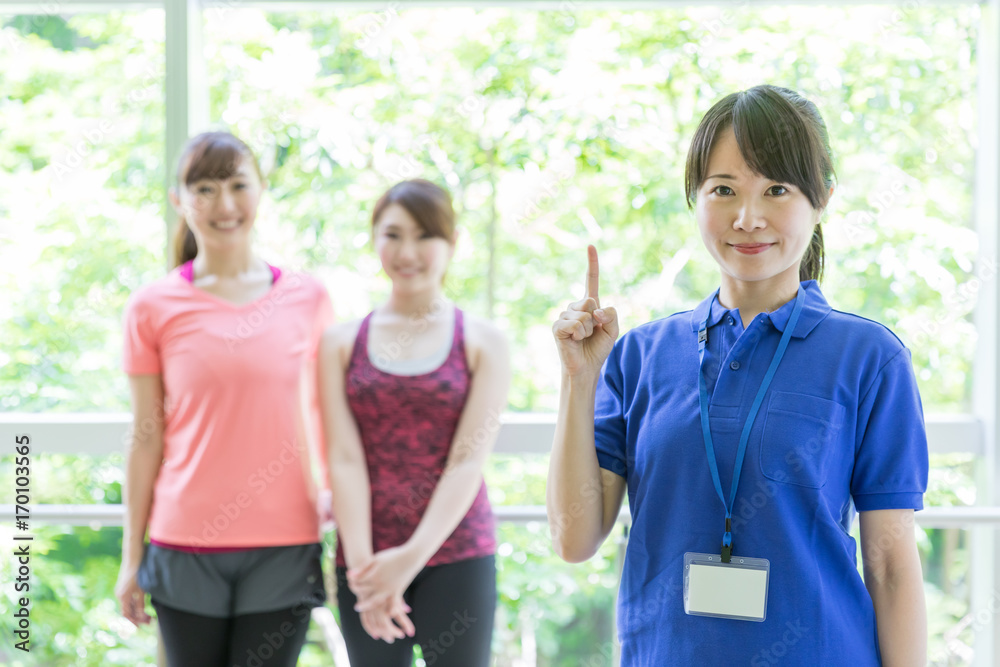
[[733, 178]]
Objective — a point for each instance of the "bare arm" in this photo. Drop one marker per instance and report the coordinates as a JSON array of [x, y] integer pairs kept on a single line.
[[895, 582], [348, 473], [348, 469], [583, 500], [143, 459]]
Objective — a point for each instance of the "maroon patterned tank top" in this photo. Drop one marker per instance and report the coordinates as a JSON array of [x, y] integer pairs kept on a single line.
[[407, 424]]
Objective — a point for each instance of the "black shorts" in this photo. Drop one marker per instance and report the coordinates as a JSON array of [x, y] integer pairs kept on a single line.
[[224, 585]]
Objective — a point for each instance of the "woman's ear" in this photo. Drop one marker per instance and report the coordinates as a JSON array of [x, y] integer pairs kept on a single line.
[[175, 201], [829, 195]]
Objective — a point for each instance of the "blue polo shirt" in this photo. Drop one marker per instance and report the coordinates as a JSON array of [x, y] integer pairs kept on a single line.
[[840, 430]]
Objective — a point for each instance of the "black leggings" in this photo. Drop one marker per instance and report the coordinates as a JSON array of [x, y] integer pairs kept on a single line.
[[453, 607], [269, 639]]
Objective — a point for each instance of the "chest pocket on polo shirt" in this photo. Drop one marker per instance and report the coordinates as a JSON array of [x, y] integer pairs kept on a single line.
[[799, 434]]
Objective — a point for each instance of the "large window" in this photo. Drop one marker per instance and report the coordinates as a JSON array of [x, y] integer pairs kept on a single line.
[[553, 129], [81, 200], [562, 128]]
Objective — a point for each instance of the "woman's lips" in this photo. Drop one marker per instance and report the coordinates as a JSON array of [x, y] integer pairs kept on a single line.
[[751, 248]]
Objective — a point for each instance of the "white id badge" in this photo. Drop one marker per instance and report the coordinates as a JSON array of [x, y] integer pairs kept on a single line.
[[737, 589]]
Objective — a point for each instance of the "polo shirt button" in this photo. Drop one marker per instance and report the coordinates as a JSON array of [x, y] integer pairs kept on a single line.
[[735, 365], [732, 321]]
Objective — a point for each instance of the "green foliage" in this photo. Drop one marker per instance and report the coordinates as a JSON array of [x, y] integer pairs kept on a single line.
[[553, 130]]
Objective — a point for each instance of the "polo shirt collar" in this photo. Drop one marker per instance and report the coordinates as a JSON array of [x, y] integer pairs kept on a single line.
[[814, 311]]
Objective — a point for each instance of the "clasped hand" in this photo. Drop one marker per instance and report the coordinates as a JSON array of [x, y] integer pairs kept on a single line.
[[379, 585]]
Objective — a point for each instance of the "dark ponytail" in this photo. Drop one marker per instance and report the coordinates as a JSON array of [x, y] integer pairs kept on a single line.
[[185, 248], [811, 267], [212, 155]]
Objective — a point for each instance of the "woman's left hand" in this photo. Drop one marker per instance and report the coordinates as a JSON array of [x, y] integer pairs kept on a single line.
[[385, 576]]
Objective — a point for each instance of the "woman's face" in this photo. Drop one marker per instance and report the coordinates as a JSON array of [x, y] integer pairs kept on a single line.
[[413, 259], [221, 212], [755, 228]]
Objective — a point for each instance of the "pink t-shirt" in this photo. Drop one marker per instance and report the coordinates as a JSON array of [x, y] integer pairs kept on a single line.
[[238, 405]]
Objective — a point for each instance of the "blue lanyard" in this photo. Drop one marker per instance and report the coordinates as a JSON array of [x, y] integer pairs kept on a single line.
[[727, 538]]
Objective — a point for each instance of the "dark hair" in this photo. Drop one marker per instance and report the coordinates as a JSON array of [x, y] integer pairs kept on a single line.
[[214, 155], [428, 204], [782, 136]]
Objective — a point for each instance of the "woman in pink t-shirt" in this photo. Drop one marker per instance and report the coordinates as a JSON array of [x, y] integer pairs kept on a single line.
[[411, 399], [219, 356]]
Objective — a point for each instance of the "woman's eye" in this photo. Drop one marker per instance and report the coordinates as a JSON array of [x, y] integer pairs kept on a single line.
[[240, 186], [723, 190], [424, 237], [392, 235], [780, 188], [205, 190]]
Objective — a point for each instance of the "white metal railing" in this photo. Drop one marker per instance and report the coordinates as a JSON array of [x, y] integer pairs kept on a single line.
[[99, 516], [103, 433]]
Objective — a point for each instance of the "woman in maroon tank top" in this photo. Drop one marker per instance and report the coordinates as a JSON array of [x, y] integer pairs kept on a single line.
[[411, 399]]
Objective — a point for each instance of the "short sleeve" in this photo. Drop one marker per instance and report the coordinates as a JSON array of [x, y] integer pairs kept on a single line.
[[609, 416], [890, 466], [141, 353], [324, 318]]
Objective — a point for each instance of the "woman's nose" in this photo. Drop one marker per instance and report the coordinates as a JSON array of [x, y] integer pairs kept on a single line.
[[226, 202], [749, 218]]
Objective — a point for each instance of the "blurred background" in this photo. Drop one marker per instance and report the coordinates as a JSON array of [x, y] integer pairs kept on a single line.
[[553, 128]]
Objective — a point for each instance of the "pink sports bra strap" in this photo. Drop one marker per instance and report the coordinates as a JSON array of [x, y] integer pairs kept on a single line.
[[187, 272]]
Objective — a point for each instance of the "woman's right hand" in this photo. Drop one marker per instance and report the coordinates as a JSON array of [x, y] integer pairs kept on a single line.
[[585, 332], [131, 597]]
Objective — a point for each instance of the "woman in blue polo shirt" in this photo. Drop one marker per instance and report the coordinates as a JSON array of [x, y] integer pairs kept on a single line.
[[749, 431]]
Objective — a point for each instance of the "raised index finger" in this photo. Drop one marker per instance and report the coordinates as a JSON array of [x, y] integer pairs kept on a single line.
[[592, 274]]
